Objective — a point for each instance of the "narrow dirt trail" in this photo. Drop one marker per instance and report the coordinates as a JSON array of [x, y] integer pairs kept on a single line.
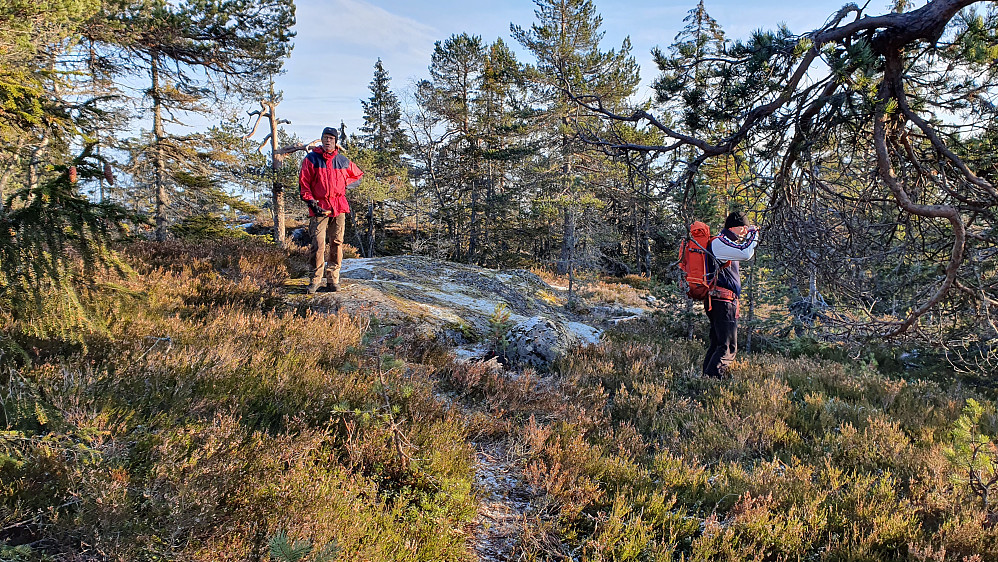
[[504, 502]]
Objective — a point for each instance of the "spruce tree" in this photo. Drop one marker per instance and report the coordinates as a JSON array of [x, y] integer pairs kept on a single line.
[[382, 128], [689, 69], [383, 143], [47, 225]]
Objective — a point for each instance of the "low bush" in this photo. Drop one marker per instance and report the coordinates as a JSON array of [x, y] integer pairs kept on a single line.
[[788, 459], [208, 417]]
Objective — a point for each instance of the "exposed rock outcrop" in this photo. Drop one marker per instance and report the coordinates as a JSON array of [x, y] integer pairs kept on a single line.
[[539, 341], [458, 303]]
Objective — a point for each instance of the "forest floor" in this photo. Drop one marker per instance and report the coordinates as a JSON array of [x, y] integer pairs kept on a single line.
[[205, 411], [504, 501]]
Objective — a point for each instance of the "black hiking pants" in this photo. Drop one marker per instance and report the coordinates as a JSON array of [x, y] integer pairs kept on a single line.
[[723, 317]]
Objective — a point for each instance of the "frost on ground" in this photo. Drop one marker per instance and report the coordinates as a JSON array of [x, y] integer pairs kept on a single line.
[[455, 302], [504, 502]]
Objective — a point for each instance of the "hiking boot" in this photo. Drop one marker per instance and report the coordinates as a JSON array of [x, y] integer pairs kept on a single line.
[[313, 286], [333, 287]]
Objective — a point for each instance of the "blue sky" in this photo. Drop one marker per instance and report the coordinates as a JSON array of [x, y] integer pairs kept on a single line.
[[339, 41]]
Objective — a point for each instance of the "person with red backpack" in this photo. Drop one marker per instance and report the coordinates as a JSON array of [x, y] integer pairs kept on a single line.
[[736, 242]]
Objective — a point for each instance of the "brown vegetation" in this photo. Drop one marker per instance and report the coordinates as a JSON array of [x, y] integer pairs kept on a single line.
[[206, 416]]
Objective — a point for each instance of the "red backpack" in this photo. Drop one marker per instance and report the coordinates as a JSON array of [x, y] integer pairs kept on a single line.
[[693, 255]]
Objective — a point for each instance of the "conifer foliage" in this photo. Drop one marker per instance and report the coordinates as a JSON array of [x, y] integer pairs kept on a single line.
[[382, 126], [565, 41], [59, 91], [382, 146], [193, 53], [901, 97], [52, 241]]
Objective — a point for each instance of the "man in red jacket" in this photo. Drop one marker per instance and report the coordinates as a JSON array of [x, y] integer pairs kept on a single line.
[[324, 178]]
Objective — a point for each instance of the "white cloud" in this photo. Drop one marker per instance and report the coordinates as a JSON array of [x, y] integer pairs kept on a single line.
[[332, 64], [357, 25]]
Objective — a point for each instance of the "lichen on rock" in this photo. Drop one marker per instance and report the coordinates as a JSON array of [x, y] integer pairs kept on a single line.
[[454, 302]]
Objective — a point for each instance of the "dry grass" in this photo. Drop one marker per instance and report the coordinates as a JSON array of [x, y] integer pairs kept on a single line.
[[206, 415], [629, 290], [630, 455]]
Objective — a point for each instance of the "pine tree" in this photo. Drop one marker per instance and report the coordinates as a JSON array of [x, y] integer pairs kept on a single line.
[[457, 67], [566, 43], [847, 121], [193, 54], [501, 110]]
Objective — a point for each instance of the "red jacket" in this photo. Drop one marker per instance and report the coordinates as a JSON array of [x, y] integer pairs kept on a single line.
[[324, 179]]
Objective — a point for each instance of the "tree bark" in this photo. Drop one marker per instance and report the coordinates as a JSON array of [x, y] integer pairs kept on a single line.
[[750, 321], [369, 251], [473, 227], [277, 190], [159, 154], [34, 175], [567, 259], [8, 172]]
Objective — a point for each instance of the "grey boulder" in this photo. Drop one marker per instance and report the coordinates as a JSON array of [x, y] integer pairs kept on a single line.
[[538, 342]]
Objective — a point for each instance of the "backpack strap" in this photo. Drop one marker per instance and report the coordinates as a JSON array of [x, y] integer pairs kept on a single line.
[[721, 267]]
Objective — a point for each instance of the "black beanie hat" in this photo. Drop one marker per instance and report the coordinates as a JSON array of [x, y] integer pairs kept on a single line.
[[329, 131], [735, 219]]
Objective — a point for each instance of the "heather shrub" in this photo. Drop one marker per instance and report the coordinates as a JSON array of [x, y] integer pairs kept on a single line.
[[206, 226], [208, 417], [789, 459]]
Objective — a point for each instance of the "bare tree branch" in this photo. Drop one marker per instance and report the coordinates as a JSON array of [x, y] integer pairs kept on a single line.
[[891, 89]]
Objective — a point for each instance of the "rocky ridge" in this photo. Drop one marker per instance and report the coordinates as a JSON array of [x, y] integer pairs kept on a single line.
[[463, 306]]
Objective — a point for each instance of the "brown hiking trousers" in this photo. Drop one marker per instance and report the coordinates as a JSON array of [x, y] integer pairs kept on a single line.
[[325, 252]]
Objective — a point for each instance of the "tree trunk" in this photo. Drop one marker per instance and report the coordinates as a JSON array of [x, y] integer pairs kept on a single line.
[[277, 198], [812, 280], [369, 252], [357, 234], [646, 238], [414, 236], [34, 176], [490, 212], [568, 228], [159, 154], [751, 310], [277, 190], [567, 258], [8, 172], [812, 286], [38, 154], [637, 231], [473, 227]]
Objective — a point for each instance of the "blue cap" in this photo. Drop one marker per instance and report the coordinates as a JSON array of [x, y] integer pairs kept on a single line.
[[330, 131]]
